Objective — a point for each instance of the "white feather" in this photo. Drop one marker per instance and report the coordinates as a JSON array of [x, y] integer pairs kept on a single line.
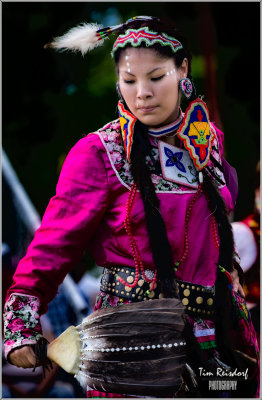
[[80, 38], [82, 379]]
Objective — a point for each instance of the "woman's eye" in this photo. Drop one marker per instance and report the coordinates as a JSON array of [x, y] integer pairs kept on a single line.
[[157, 78], [129, 82]]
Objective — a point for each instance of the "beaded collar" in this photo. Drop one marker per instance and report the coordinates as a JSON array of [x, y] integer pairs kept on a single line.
[[167, 130], [127, 122]]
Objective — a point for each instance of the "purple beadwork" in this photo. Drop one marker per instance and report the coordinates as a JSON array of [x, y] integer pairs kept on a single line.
[[186, 87]]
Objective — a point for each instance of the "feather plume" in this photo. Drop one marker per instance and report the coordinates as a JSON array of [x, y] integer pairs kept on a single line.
[[135, 348], [81, 38]]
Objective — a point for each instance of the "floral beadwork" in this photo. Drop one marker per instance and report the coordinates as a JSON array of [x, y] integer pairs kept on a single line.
[[105, 300], [110, 136], [22, 321]]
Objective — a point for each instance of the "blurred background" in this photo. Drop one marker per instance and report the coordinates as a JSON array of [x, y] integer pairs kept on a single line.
[[51, 100]]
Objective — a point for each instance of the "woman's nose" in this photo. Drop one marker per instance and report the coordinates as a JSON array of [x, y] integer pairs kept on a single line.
[[144, 91]]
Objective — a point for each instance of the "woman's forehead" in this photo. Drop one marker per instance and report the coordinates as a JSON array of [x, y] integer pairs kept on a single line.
[[144, 56]]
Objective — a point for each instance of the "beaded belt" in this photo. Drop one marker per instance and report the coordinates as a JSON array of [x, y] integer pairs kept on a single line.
[[197, 299]]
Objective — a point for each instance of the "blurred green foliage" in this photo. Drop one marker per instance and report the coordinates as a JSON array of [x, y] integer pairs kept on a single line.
[[51, 99]]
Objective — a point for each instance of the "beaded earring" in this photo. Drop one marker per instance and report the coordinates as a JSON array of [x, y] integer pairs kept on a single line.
[[186, 87]]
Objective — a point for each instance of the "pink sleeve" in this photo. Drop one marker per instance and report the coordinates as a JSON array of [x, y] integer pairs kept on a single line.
[[21, 322], [71, 218], [220, 138]]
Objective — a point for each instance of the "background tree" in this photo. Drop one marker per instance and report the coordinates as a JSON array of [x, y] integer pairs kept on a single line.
[[50, 100]]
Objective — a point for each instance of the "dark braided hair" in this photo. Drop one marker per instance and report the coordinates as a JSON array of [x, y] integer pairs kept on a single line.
[[160, 245]]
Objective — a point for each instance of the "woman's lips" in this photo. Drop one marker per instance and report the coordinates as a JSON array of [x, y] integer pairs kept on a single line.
[[146, 110]]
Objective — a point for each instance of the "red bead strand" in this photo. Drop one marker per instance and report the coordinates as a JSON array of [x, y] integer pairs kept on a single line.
[[188, 214], [214, 231], [135, 250]]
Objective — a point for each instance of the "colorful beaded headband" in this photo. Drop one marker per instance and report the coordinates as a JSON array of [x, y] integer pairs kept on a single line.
[[136, 36]]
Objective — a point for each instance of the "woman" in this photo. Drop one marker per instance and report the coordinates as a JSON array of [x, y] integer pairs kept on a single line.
[[146, 192]]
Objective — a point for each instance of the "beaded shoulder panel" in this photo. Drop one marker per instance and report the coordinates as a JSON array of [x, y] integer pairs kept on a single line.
[[110, 135]]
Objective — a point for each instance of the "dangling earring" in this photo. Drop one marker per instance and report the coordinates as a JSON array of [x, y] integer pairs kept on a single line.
[[186, 87], [119, 92]]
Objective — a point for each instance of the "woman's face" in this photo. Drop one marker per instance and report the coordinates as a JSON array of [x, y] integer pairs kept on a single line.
[[149, 85]]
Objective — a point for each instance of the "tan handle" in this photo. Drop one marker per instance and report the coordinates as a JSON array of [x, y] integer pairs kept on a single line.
[[65, 350]]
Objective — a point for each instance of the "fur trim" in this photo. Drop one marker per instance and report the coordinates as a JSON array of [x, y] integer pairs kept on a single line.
[[81, 38]]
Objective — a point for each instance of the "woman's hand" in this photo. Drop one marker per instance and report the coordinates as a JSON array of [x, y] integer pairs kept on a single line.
[[23, 357], [235, 281]]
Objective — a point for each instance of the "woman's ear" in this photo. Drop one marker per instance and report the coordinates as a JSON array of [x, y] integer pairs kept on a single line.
[[184, 68]]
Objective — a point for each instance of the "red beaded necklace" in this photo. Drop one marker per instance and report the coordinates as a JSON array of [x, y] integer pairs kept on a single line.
[[139, 267], [188, 213], [135, 250]]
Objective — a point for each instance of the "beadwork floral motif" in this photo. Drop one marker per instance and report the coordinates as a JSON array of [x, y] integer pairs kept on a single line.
[[22, 321], [111, 137], [105, 300]]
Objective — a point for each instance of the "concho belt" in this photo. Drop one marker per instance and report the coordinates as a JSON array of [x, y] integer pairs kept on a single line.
[[197, 299]]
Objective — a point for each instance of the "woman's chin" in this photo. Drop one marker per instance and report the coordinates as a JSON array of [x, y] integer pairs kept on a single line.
[[150, 120]]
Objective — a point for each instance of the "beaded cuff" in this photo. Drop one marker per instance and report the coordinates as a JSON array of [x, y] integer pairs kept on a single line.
[[21, 321]]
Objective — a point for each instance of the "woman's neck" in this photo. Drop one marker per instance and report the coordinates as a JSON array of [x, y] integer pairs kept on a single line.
[[173, 140], [167, 132]]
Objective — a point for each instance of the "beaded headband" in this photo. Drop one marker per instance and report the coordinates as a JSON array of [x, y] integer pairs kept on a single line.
[[136, 36]]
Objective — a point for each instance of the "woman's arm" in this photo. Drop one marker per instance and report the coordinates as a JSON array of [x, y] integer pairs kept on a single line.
[[71, 218]]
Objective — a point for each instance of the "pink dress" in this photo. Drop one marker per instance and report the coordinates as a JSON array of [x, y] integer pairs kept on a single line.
[[88, 211]]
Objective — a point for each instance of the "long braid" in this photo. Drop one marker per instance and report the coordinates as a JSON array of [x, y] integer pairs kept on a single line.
[[159, 243], [222, 300], [218, 207], [222, 296]]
